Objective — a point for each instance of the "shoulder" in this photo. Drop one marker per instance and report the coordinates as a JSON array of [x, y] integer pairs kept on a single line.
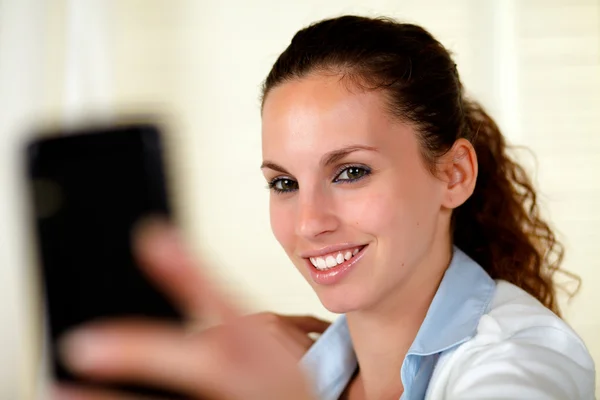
[[516, 317], [514, 313], [521, 350]]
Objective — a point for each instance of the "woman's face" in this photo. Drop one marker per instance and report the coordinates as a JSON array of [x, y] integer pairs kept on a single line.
[[352, 202]]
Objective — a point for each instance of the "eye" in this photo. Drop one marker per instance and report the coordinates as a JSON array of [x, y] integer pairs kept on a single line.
[[283, 185], [352, 174]]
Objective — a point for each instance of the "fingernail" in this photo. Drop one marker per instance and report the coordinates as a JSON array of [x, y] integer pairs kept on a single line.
[[82, 350], [165, 247], [158, 238]]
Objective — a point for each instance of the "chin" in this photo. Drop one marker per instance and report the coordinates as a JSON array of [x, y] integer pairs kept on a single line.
[[341, 300]]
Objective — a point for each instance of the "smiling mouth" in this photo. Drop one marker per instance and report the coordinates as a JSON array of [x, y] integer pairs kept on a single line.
[[332, 260]]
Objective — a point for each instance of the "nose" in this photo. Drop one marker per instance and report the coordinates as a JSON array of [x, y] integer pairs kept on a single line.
[[315, 215]]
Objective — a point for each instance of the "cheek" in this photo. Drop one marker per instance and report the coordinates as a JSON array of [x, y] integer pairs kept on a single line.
[[366, 210], [282, 223], [395, 210], [412, 216]]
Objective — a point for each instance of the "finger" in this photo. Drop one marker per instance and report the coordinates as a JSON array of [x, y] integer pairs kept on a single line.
[[307, 324], [294, 340], [165, 258], [141, 352], [71, 392]]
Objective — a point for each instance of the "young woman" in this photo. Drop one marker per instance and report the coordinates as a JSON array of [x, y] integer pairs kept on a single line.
[[394, 196]]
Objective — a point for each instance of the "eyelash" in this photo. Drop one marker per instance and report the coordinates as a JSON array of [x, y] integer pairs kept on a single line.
[[367, 171]]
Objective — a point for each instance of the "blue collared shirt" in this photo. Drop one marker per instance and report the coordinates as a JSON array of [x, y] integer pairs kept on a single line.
[[463, 299]]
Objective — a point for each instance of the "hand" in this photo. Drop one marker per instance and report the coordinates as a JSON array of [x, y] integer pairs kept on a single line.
[[291, 331], [253, 357]]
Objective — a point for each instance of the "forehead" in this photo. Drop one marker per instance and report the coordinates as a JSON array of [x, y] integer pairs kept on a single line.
[[321, 111]]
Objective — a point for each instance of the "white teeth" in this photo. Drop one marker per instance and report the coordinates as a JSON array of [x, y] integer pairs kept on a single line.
[[321, 263], [331, 261], [324, 263]]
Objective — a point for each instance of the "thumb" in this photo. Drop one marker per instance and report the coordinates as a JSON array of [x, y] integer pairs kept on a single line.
[[165, 258]]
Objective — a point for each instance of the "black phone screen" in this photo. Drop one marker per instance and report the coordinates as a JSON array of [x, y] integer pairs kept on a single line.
[[89, 189]]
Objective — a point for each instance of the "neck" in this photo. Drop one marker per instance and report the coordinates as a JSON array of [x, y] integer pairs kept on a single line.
[[383, 334]]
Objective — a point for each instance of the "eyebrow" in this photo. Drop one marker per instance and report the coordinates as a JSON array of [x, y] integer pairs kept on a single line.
[[330, 158], [337, 155], [274, 167]]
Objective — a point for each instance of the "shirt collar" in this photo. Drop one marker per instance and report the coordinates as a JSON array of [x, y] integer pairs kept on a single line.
[[463, 296], [331, 362]]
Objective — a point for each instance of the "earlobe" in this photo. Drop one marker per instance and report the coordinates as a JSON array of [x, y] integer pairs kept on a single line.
[[461, 172]]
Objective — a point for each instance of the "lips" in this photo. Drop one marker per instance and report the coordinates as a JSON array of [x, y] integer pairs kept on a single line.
[[331, 265]]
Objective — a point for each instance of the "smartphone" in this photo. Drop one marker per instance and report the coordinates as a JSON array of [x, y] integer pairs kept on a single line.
[[89, 187]]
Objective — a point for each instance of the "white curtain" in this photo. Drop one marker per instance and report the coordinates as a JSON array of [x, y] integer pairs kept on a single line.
[[30, 39], [21, 84]]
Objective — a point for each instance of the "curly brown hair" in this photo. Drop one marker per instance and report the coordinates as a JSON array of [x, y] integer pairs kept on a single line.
[[499, 226]]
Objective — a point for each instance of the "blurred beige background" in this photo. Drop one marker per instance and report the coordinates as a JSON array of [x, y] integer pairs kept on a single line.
[[198, 65]]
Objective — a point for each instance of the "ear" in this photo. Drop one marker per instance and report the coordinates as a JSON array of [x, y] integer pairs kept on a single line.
[[458, 169]]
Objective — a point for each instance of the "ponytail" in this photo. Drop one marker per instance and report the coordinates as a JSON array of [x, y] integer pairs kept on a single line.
[[500, 225]]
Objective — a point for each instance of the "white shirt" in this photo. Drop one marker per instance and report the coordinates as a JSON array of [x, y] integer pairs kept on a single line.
[[481, 339]]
